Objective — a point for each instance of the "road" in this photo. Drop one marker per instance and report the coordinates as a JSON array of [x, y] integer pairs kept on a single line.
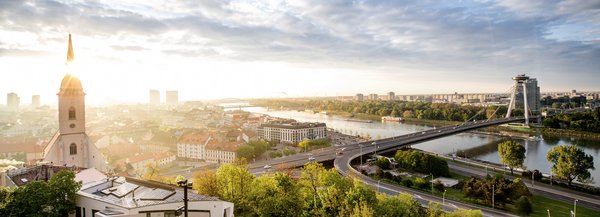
[[562, 194], [342, 165]]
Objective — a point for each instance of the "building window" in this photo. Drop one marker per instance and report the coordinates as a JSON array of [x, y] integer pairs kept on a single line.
[[72, 113], [73, 149]]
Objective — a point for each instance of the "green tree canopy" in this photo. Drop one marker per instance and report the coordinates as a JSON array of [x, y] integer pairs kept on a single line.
[[570, 162], [54, 198], [512, 154]]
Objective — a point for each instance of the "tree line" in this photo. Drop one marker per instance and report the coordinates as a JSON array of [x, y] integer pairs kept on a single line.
[[317, 192], [588, 120], [418, 110]]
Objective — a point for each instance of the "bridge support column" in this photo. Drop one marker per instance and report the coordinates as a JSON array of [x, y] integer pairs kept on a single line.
[[526, 105], [511, 104]]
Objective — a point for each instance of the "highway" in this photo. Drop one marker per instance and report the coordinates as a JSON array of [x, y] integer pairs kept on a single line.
[[342, 164], [352, 151]]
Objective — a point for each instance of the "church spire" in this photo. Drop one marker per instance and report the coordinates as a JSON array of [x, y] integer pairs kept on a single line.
[[70, 54]]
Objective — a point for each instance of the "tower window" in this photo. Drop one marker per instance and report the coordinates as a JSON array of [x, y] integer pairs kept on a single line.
[[73, 149], [72, 113]]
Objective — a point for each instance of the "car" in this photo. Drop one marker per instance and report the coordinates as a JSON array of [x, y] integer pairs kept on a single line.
[[267, 166], [339, 153], [311, 158]]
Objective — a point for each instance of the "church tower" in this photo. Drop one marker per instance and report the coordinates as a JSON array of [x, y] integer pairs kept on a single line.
[[70, 146]]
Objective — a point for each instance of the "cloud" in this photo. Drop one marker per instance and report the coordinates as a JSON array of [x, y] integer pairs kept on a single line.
[[458, 39]]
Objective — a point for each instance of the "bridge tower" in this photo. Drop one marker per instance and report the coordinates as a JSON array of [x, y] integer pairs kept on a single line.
[[520, 82]]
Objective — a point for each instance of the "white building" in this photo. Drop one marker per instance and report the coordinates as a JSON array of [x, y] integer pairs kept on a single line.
[[137, 165], [202, 146], [172, 97], [154, 97], [292, 132]]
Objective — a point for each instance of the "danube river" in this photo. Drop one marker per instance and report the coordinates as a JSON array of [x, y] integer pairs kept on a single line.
[[473, 145]]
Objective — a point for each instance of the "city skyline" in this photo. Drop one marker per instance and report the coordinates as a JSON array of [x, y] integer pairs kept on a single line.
[[243, 49]]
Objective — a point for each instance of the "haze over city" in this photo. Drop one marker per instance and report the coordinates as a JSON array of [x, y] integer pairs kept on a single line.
[[245, 49]]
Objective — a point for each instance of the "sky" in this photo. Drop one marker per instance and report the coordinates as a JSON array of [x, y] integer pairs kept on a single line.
[[214, 49]]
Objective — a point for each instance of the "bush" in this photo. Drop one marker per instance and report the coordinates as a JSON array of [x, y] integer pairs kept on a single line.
[[421, 183], [439, 186], [421, 162], [407, 183], [275, 154], [288, 151], [537, 175], [523, 205]]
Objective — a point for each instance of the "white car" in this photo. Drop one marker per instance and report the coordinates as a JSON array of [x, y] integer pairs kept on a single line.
[[267, 166], [311, 158]]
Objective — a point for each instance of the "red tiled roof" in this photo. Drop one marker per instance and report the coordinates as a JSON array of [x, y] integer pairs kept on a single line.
[[194, 138], [224, 146]]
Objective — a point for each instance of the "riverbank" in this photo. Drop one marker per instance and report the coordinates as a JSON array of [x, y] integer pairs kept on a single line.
[[570, 133]]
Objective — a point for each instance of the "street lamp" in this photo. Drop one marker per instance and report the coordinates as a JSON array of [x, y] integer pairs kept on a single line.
[[185, 184], [493, 194], [444, 198], [378, 185], [361, 161], [431, 182], [575, 208], [548, 212]]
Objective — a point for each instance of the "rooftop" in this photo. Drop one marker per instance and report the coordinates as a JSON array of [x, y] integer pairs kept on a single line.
[[294, 125], [133, 193]]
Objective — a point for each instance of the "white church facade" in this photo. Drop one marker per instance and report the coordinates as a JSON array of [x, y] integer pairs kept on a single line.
[[70, 146]]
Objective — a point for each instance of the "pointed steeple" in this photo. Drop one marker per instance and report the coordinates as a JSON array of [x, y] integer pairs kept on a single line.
[[70, 54]]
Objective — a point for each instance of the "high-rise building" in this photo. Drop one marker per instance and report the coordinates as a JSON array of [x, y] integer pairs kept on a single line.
[[391, 96], [373, 96], [35, 101], [533, 96], [360, 97], [154, 97], [70, 146], [172, 97], [12, 101]]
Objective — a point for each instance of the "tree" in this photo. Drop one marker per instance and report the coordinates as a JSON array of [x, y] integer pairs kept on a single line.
[[435, 210], [45, 199], [408, 114], [206, 183], [398, 205], [234, 182], [246, 151], [260, 147], [523, 205], [151, 171], [274, 195], [570, 163], [63, 193], [512, 154], [5, 199], [30, 200]]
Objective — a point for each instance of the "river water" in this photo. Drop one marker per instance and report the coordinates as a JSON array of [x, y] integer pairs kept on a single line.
[[473, 145]]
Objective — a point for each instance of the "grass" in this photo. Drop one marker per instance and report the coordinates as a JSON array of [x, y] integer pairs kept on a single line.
[[557, 208], [540, 204]]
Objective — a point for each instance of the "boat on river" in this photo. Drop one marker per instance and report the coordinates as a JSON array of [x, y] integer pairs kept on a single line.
[[391, 119]]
